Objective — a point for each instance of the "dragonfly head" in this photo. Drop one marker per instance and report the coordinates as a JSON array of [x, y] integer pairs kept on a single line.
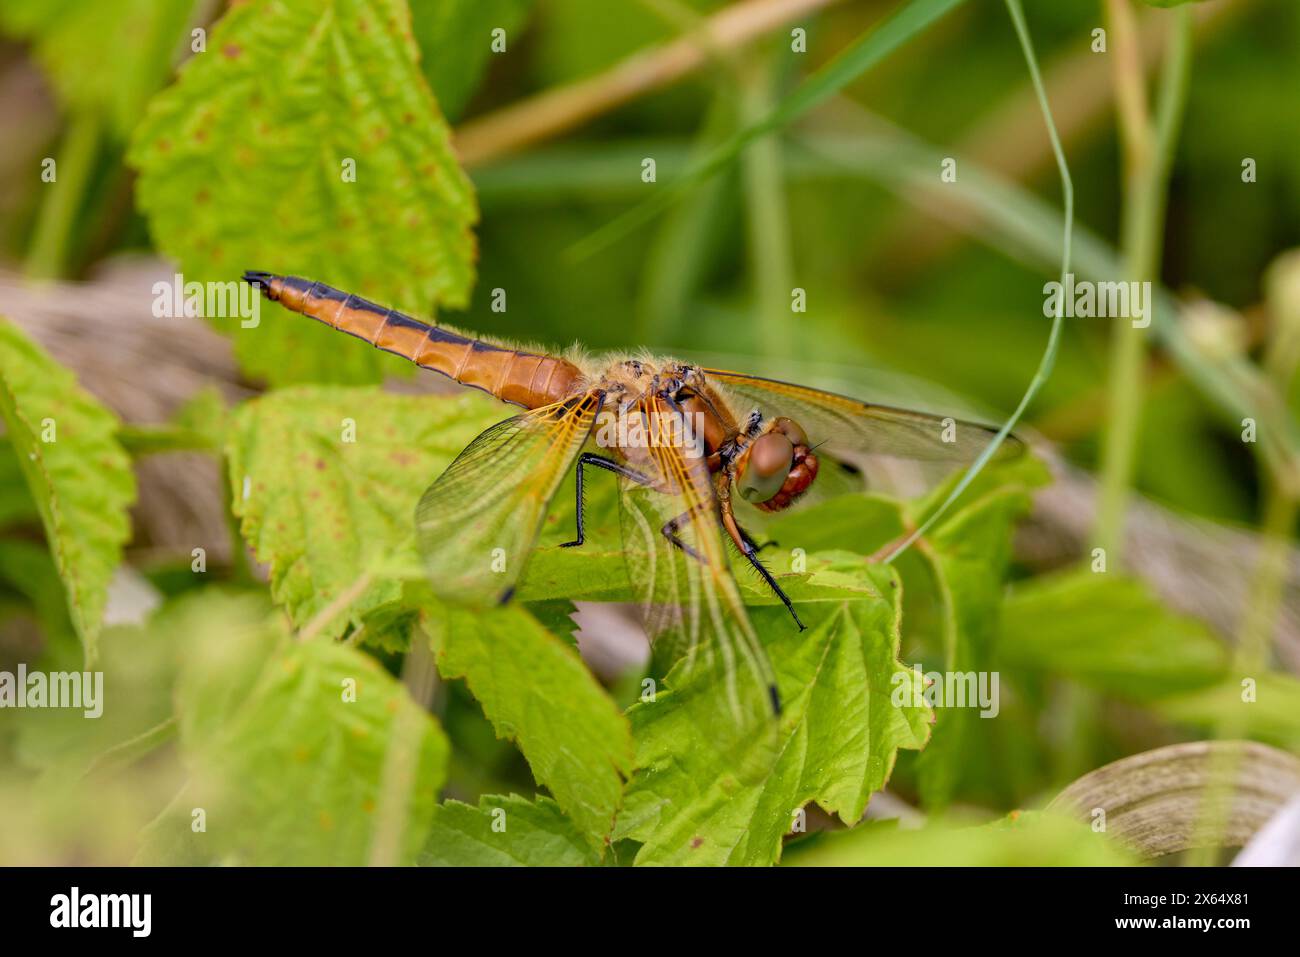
[[777, 467]]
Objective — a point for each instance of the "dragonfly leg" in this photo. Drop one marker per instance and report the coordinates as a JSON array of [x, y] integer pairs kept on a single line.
[[751, 555], [749, 540], [669, 531], [747, 546], [591, 458]]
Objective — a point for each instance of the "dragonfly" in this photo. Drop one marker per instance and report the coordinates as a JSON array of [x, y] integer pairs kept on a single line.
[[686, 443]]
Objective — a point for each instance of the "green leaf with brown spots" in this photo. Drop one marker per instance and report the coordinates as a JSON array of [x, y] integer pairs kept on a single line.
[[305, 141], [76, 471], [325, 481]]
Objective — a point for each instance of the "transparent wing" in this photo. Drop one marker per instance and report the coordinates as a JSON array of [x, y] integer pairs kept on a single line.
[[851, 427], [689, 600], [477, 523]]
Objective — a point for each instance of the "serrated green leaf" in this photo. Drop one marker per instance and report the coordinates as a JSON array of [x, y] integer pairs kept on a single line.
[[537, 692], [862, 523], [556, 616], [244, 165], [455, 38], [81, 480], [955, 575], [1110, 633], [709, 792], [390, 626], [305, 753], [508, 831], [103, 56], [322, 511]]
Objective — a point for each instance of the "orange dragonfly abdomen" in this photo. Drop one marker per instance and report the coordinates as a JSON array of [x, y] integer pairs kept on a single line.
[[528, 379]]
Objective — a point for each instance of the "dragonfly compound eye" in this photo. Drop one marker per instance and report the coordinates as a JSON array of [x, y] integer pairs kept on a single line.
[[766, 467], [790, 428]]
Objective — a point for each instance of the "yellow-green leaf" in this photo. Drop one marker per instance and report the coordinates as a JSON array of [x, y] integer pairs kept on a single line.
[[305, 141], [76, 471], [325, 483]]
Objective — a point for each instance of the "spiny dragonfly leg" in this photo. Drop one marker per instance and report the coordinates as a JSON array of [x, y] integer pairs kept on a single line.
[[591, 458], [749, 540], [750, 550], [669, 531]]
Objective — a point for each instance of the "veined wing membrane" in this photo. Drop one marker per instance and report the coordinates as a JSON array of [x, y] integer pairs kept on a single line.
[[848, 425], [477, 523], [689, 600]]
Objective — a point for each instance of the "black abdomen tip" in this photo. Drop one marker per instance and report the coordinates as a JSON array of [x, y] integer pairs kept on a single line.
[[260, 279], [776, 700]]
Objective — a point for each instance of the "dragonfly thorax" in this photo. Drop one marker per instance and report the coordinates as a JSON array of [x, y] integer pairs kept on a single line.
[[769, 461]]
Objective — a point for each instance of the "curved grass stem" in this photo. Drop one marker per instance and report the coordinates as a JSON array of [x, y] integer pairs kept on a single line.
[[1044, 370]]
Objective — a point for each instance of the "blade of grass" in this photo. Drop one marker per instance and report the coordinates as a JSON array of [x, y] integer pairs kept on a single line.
[[771, 272], [687, 242], [1054, 336], [49, 253], [680, 251], [865, 53], [1149, 149]]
